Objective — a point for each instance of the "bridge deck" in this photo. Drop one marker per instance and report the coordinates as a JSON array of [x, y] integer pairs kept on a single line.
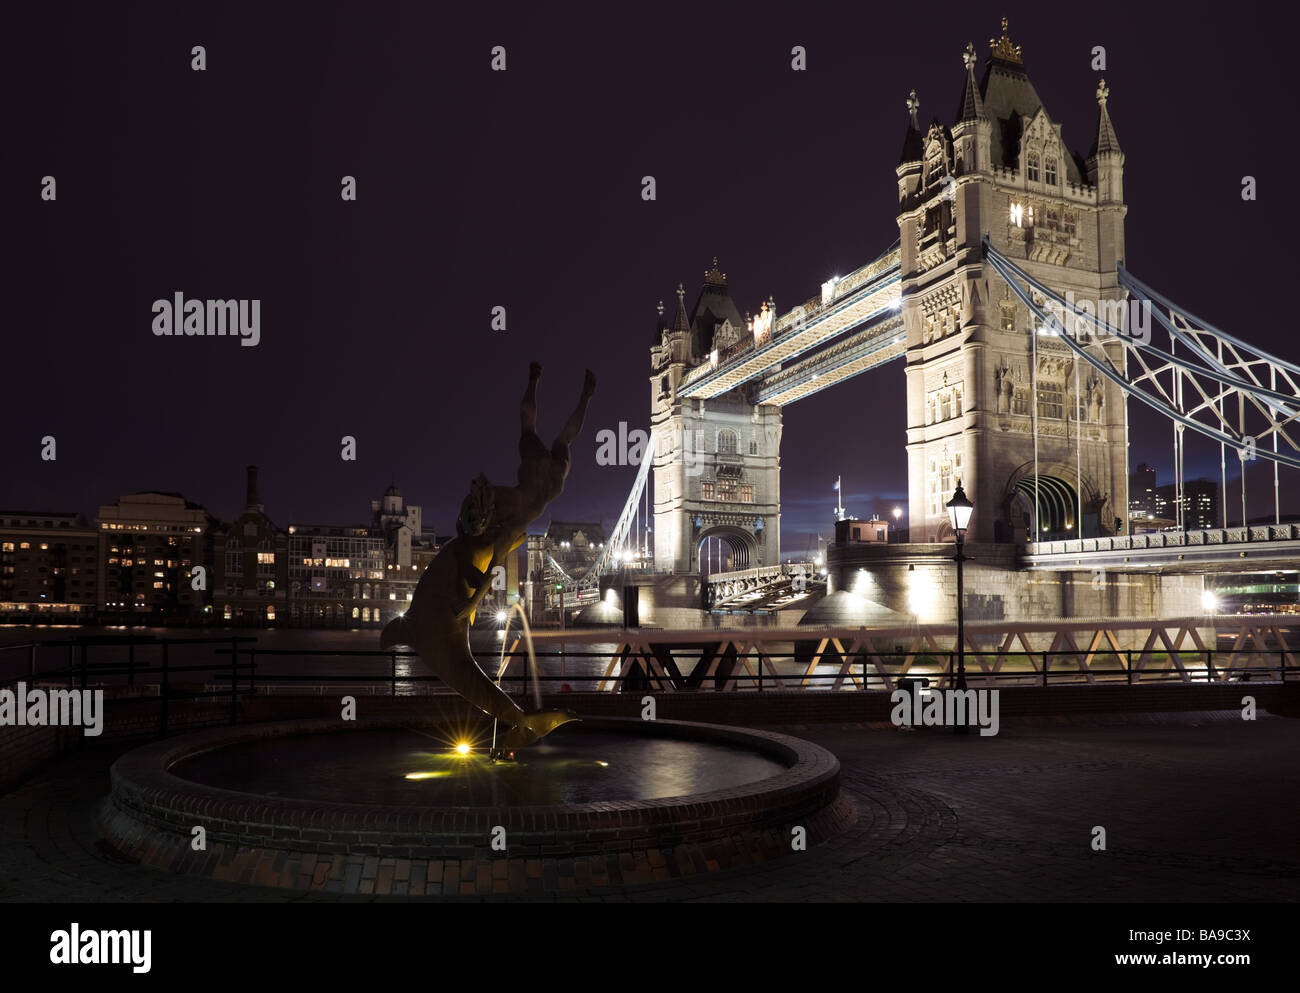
[[865, 295], [1215, 550]]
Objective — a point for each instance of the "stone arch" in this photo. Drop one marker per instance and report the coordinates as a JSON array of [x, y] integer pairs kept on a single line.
[[741, 544], [1057, 504]]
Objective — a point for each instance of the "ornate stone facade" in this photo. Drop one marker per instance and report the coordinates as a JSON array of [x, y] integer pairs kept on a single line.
[[981, 381], [717, 463]]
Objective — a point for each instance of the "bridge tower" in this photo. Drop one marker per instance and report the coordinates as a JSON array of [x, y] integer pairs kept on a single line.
[[717, 466], [1039, 443]]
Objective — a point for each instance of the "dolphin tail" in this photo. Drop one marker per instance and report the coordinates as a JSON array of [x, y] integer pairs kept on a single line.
[[396, 632], [535, 726]]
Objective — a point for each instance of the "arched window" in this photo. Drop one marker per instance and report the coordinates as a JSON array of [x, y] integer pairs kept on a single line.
[[727, 442], [1031, 167]]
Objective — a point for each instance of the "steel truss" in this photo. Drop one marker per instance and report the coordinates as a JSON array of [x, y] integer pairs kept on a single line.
[[1205, 380]]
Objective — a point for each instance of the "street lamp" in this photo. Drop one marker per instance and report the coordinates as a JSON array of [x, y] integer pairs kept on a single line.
[[959, 511]]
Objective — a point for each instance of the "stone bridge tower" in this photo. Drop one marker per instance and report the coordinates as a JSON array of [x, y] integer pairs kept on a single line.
[[981, 378], [717, 465]]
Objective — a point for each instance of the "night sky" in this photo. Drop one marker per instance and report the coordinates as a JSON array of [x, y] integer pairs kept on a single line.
[[521, 189]]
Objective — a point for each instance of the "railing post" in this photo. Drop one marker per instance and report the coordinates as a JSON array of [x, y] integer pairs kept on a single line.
[[1129, 667], [1209, 665], [394, 672], [1046, 663], [1281, 662]]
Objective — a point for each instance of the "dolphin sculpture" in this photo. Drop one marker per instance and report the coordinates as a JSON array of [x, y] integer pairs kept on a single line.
[[492, 523]]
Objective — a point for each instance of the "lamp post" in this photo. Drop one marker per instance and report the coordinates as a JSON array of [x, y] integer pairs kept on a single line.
[[959, 512]]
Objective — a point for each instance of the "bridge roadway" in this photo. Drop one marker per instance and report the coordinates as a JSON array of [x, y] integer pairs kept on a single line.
[[869, 295], [1256, 548]]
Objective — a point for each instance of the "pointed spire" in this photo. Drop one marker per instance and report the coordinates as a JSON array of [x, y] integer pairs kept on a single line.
[[913, 146], [661, 325], [681, 324], [715, 277], [1106, 141], [972, 107]]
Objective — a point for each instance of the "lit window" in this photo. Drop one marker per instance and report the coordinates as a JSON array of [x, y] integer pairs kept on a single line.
[[706, 491], [1008, 316], [746, 493], [1051, 399]]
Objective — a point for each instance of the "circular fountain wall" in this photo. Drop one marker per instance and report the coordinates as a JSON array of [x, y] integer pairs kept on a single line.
[[390, 806]]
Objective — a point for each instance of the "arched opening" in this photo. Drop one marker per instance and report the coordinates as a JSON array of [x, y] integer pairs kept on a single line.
[[1047, 507], [724, 549]]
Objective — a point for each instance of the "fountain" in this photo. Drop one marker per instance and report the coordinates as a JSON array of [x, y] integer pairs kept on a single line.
[[412, 803]]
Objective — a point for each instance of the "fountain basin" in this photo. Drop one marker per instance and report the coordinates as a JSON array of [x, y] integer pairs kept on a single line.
[[328, 805]]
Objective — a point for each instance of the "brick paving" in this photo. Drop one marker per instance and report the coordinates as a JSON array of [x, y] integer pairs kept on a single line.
[[1196, 807]]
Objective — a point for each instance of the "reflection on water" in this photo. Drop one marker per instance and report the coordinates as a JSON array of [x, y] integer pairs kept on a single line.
[[402, 766]]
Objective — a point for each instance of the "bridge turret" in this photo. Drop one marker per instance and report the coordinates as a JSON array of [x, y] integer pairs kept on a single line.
[[991, 400], [1106, 172], [717, 473], [972, 131], [909, 162]]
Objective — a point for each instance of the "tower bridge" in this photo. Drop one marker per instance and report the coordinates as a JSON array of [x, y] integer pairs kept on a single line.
[[1024, 337]]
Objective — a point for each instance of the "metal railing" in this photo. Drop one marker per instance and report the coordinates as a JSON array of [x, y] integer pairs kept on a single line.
[[713, 669]]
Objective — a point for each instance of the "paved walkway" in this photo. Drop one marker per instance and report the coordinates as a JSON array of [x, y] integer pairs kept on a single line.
[[1196, 807]]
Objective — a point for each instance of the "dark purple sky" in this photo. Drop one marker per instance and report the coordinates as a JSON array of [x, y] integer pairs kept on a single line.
[[522, 189]]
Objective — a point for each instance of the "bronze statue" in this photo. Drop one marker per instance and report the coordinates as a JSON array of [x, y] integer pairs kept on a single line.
[[492, 524]]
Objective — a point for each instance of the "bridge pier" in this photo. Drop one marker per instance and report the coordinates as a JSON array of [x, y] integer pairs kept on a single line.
[[920, 581]]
